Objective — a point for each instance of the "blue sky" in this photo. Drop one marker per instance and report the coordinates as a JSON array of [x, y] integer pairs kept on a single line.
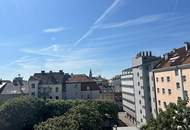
[[76, 35]]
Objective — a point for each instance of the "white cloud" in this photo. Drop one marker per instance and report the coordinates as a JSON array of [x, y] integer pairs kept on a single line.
[[52, 50], [55, 57], [136, 21], [54, 30]]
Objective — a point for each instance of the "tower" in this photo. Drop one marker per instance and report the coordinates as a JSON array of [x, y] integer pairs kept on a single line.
[[90, 74]]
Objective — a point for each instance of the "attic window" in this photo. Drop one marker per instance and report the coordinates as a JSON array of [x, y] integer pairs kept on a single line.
[[173, 59]]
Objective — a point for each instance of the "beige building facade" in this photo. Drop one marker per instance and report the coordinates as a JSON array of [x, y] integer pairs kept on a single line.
[[172, 77]]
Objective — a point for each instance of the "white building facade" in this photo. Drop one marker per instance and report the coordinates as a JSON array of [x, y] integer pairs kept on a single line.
[[128, 94]]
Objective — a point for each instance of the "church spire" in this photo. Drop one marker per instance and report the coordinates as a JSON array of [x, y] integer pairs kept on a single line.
[[90, 74]]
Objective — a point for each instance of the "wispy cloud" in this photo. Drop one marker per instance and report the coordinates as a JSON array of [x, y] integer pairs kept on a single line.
[[98, 21], [54, 30], [136, 21], [52, 50]]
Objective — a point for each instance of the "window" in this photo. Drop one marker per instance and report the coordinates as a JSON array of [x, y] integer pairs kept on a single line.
[[50, 90], [139, 92], [33, 94], [165, 104], [159, 102], [88, 96], [179, 98], [57, 97], [33, 85], [158, 90], [186, 95], [50, 97], [184, 78], [162, 79], [141, 120], [176, 72], [169, 91], [177, 85], [163, 91], [56, 89], [140, 111], [137, 74], [139, 101], [157, 79], [138, 83], [168, 79]]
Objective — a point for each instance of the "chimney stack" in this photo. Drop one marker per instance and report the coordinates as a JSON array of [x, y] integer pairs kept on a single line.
[[166, 56], [147, 54], [150, 53], [187, 45]]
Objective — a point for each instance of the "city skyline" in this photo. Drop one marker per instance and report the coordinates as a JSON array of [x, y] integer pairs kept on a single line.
[[78, 35]]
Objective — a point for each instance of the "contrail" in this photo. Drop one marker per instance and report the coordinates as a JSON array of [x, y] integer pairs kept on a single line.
[[94, 26]]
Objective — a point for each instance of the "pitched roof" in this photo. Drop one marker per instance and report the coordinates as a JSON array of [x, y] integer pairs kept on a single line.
[[79, 78], [176, 57], [10, 88], [50, 78]]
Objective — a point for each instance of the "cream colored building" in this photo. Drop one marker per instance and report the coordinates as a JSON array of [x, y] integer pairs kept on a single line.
[[50, 85], [172, 77]]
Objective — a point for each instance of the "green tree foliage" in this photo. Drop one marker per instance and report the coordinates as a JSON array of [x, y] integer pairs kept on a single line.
[[1, 102], [57, 107], [81, 117], [176, 117], [21, 113]]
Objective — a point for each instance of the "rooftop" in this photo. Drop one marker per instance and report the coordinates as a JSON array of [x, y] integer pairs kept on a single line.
[[50, 77], [179, 56]]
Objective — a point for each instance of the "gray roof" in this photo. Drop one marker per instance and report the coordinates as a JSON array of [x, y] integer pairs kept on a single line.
[[50, 78], [10, 88]]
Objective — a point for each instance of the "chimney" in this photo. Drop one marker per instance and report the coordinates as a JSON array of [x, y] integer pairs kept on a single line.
[[60, 71], [166, 56], [50, 71], [147, 54], [150, 53], [1, 81], [142, 53], [42, 71], [187, 45]]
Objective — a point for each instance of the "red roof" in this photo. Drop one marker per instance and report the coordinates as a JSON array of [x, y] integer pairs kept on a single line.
[[176, 57], [79, 78]]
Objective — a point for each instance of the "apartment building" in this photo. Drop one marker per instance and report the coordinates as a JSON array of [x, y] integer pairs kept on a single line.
[[80, 86], [172, 77], [116, 83], [142, 68], [128, 94], [49, 85]]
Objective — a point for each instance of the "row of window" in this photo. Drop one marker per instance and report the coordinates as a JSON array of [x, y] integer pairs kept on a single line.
[[50, 89], [168, 79], [169, 90], [164, 91], [164, 103]]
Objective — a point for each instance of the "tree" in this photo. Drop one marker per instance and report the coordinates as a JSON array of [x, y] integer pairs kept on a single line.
[[21, 113], [176, 117], [81, 117], [57, 107]]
